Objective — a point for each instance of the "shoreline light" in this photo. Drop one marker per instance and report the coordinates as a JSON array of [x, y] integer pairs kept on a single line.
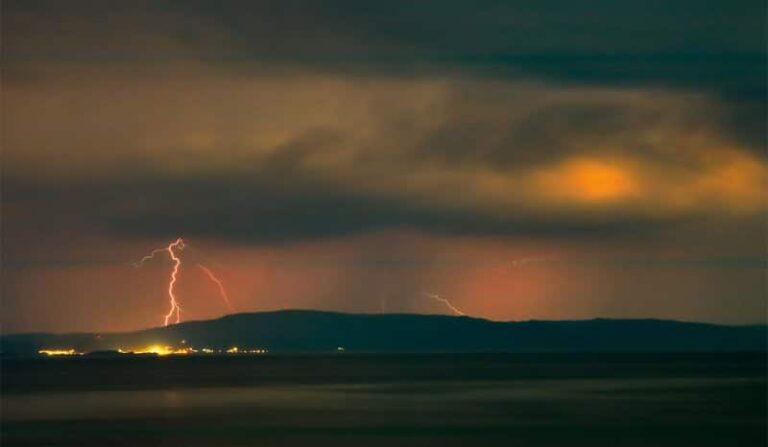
[[58, 352]]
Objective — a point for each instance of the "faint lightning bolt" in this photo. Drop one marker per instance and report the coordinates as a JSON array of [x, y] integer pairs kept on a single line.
[[177, 244], [222, 291], [446, 302], [149, 256], [525, 261]]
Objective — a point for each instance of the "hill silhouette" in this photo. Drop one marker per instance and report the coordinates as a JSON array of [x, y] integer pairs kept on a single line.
[[310, 331]]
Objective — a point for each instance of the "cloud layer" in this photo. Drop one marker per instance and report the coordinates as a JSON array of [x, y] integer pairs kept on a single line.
[[345, 154], [264, 155]]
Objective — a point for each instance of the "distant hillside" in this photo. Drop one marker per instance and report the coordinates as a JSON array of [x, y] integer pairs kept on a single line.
[[315, 331]]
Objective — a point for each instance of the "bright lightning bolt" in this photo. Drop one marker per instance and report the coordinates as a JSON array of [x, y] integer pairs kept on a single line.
[[446, 302], [222, 291], [177, 244], [175, 308]]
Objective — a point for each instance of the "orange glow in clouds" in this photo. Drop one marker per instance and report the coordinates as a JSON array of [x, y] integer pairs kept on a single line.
[[589, 181]]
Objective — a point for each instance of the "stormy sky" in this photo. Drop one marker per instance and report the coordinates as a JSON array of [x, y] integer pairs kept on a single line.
[[525, 160]]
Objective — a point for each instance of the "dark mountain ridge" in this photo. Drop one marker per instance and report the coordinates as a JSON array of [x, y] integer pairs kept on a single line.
[[308, 331]]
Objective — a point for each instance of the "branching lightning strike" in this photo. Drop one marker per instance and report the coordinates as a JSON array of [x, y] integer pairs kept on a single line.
[[175, 308]]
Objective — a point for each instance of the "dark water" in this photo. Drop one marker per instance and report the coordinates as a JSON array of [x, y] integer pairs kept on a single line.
[[371, 400]]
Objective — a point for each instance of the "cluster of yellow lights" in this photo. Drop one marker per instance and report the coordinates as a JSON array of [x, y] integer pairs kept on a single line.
[[236, 350], [57, 352], [168, 350], [161, 350]]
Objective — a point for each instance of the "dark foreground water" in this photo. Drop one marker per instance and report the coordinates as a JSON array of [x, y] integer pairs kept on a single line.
[[378, 400]]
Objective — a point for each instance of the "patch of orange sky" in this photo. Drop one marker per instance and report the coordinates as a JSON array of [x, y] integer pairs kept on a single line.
[[478, 275]]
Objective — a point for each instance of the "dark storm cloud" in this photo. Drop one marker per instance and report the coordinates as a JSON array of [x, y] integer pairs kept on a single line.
[[269, 213], [713, 47], [681, 42], [282, 119]]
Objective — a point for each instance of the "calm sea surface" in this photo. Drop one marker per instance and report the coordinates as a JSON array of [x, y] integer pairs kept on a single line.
[[381, 400]]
